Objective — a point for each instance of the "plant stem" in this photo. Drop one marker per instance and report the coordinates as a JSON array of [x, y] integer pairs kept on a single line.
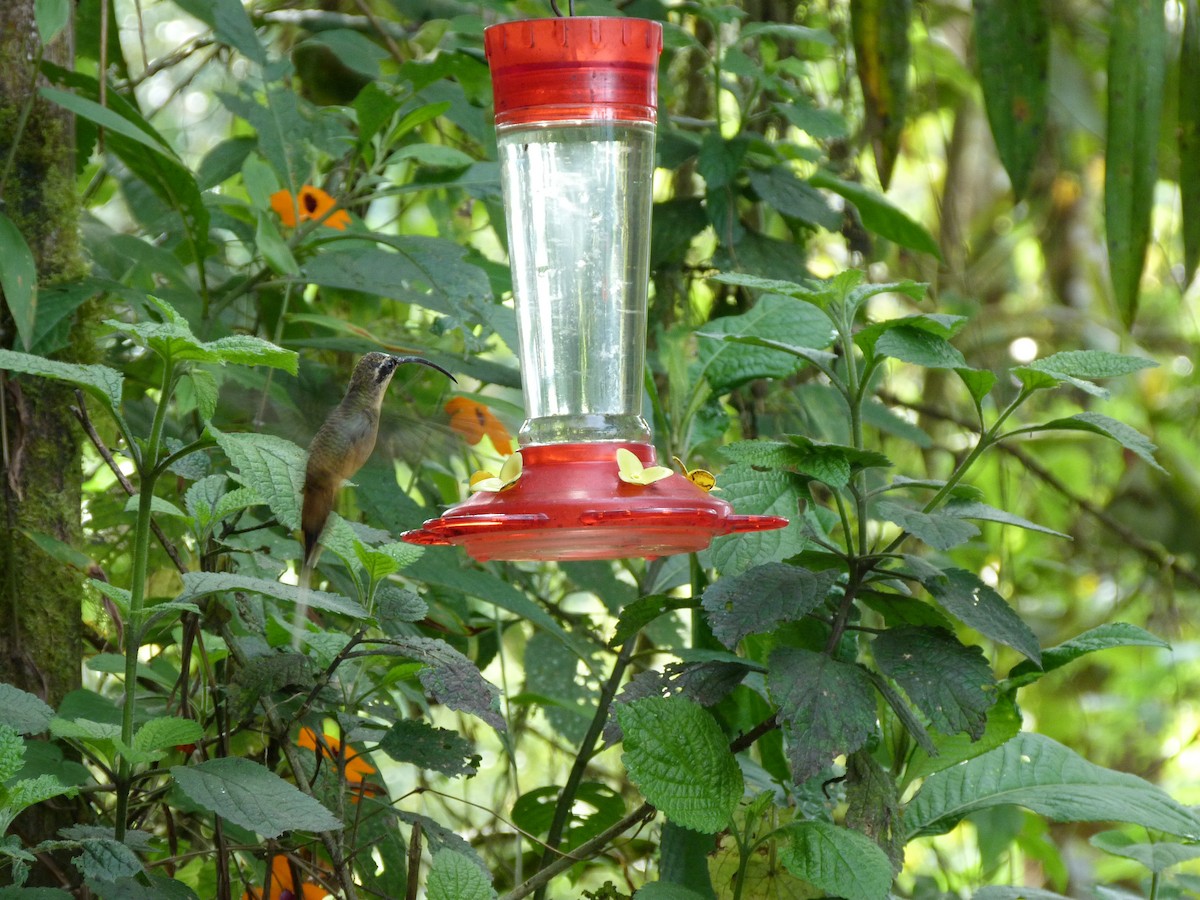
[[148, 471]]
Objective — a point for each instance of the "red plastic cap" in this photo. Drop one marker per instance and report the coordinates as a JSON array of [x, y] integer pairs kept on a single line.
[[573, 69]]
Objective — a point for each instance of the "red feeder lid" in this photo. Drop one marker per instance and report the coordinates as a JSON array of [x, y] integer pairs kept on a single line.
[[575, 68], [569, 504]]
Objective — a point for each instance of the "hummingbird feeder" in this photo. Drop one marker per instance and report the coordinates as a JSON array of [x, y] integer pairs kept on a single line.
[[575, 102]]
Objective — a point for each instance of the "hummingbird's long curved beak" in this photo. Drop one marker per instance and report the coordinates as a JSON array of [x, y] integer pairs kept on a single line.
[[400, 360]]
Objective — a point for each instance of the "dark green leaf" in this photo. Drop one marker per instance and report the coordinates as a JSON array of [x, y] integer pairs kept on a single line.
[[938, 529], [252, 796], [436, 749], [1189, 138], [879, 29], [230, 24], [759, 493], [1002, 892], [677, 755], [781, 188], [763, 597], [919, 347], [395, 607], [979, 383], [973, 603], [108, 118], [18, 280], [641, 612], [663, 890], [166, 732], [1091, 364], [452, 678], [826, 707], [106, 860], [454, 876], [1102, 637], [101, 382], [973, 509], [270, 466], [1137, 54], [950, 683], [839, 861], [200, 584], [1039, 774], [1012, 44], [880, 216]]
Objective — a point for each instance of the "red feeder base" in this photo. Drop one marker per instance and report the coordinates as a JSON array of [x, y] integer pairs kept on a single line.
[[569, 504]]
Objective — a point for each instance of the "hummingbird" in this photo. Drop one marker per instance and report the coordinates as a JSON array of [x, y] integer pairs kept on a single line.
[[344, 443]]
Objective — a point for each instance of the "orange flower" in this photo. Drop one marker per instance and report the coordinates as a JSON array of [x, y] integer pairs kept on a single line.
[[473, 420], [357, 769], [282, 882], [313, 205]]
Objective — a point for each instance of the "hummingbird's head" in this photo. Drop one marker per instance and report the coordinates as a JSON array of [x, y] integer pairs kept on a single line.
[[373, 372]]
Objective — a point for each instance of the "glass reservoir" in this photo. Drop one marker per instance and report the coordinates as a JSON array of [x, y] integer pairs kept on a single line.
[[578, 210]]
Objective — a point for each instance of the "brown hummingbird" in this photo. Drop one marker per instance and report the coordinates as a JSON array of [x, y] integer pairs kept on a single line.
[[344, 443]]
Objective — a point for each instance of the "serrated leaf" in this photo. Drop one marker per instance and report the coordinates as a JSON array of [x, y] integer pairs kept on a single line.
[[761, 598], [937, 529], [973, 603], [641, 612], [677, 755], [973, 509], [27, 792], [248, 350], [1103, 637], [453, 876], [157, 505], [782, 320], [164, 733], [252, 796], [880, 216], [1004, 892], [920, 348], [1091, 364], [826, 707], [663, 890], [774, 350], [395, 607], [1003, 723], [436, 749], [1156, 857], [1128, 437], [22, 711], [84, 730], [101, 382], [106, 860], [201, 584], [979, 383], [1037, 773], [1137, 54], [267, 673], [771, 286], [780, 187], [12, 754], [452, 678], [1012, 44], [707, 682], [856, 459], [949, 682], [270, 466], [839, 861], [759, 493]]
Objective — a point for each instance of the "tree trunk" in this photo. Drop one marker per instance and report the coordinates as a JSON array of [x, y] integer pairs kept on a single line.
[[40, 471]]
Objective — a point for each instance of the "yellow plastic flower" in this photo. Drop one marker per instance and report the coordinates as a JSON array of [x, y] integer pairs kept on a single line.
[[701, 478], [509, 473], [311, 204], [631, 471]]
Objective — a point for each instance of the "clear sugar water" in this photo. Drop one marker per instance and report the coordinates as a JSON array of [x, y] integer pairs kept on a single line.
[[578, 198]]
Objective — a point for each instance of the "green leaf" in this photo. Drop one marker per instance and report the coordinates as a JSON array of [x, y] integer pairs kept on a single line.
[[52, 17], [950, 683], [107, 860], [1003, 892], [792, 289], [1049, 779], [1137, 53], [85, 730], [101, 382], [979, 383], [921, 348], [252, 796], [641, 612], [436, 749], [879, 29], [781, 188], [764, 362], [1156, 857], [106, 117], [839, 861], [26, 792], [677, 755], [782, 320], [231, 25], [761, 598], [1102, 637], [1012, 44], [973, 603], [759, 493], [453, 876], [18, 280], [663, 890], [165, 733], [826, 707], [973, 509], [273, 247], [395, 607], [823, 460], [12, 754], [879, 216], [1096, 423], [452, 678], [270, 466], [1189, 138], [22, 711], [200, 584], [938, 529], [1091, 364]]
